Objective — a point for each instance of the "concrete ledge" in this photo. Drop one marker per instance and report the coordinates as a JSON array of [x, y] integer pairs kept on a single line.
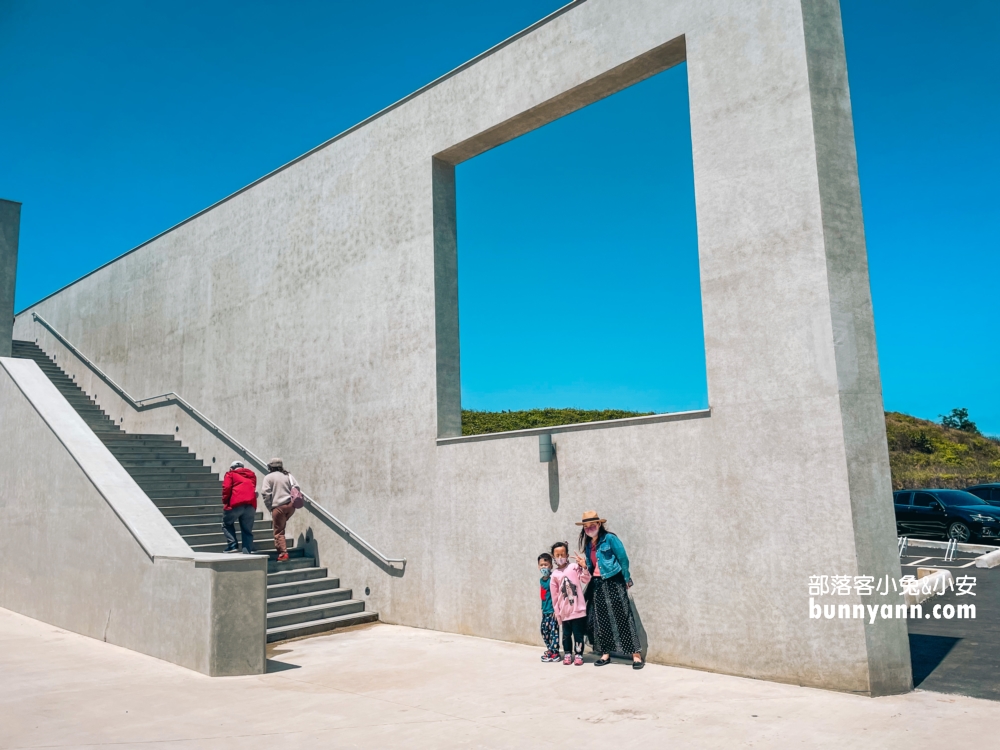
[[677, 416], [933, 581], [989, 560]]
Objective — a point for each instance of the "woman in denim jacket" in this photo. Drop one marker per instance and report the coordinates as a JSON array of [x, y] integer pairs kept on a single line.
[[610, 624]]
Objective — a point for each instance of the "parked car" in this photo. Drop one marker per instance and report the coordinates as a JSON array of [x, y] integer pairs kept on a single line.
[[953, 514], [988, 492]]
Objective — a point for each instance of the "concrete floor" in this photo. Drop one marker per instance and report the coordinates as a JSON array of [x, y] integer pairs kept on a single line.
[[386, 687]]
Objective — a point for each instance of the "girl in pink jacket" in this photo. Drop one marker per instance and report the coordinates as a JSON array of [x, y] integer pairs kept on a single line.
[[567, 583]]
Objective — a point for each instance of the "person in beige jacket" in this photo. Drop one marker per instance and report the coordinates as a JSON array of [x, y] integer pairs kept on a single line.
[[277, 495]]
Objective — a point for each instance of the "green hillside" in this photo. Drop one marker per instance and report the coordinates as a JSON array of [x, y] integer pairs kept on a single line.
[[921, 453], [480, 422], [927, 454]]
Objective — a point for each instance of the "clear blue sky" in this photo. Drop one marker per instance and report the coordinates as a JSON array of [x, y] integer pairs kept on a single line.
[[121, 119]]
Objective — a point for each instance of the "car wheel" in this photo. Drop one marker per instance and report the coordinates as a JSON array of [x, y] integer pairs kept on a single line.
[[959, 531]]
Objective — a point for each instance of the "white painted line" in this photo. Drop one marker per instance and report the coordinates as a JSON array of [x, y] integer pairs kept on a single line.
[[917, 562]]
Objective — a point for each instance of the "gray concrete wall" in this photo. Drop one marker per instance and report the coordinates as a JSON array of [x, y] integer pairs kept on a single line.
[[86, 550], [10, 229], [312, 316]]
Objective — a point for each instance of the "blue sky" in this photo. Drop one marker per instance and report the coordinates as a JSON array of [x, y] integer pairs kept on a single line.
[[121, 119]]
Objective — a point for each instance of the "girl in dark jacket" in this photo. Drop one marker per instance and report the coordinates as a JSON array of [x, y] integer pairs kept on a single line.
[[609, 615]]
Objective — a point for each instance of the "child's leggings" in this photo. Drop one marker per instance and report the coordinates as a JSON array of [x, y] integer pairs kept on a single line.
[[573, 630], [550, 632]]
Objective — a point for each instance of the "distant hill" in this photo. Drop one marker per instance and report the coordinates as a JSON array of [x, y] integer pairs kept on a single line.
[[921, 453], [480, 422], [927, 454]]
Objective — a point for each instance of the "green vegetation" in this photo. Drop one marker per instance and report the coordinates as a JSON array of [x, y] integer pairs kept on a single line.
[[949, 455], [481, 422]]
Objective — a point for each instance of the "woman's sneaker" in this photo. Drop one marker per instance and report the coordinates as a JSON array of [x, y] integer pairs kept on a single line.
[[578, 660], [568, 659]]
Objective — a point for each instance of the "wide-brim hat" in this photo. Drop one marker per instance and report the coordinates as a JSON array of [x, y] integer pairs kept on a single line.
[[591, 516]]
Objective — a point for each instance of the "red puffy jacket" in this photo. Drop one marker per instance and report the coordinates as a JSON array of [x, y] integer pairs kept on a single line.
[[239, 488]]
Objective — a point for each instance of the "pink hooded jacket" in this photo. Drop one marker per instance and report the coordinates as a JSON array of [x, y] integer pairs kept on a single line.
[[567, 585]]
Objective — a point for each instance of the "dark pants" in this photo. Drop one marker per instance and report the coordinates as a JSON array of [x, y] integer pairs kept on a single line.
[[279, 517], [550, 632], [573, 630], [244, 514]]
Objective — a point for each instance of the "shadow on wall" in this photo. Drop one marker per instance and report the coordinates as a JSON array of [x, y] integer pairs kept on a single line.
[[554, 484]]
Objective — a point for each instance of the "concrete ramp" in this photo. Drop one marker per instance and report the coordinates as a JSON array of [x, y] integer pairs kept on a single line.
[[85, 549]]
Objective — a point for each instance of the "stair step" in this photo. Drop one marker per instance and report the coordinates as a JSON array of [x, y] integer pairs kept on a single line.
[[198, 494], [288, 632], [306, 600], [197, 474], [188, 472], [299, 574], [201, 511], [293, 563], [315, 612], [260, 545], [179, 482], [217, 537], [190, 529], [133, 438], [212, 503], [152, 453], [305, 586], [205, 519], [140, 463]]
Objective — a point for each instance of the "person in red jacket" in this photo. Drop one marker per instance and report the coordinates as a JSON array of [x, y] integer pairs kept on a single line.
[[239, 503]]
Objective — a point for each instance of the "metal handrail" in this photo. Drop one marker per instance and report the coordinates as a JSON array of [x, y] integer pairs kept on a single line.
[[168, 399]]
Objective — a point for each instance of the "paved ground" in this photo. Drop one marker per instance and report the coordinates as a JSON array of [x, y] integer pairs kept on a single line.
[[957, 656], [390, 687]]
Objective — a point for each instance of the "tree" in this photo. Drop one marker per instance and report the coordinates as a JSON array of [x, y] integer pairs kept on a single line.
[[959, 420]]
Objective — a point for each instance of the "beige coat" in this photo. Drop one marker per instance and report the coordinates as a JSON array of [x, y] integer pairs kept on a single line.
[[277, 489]]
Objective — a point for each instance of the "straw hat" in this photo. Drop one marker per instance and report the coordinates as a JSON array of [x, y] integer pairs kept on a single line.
[[591, 516]]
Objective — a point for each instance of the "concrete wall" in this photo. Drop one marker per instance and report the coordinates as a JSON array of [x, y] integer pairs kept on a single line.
[[313, 316], [86, 550], [10, 229]]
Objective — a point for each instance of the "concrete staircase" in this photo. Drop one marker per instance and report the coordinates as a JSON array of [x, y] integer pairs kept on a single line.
[[301, 598]]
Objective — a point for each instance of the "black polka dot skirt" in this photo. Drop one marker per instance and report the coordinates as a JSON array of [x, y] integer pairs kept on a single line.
[[609, 617]]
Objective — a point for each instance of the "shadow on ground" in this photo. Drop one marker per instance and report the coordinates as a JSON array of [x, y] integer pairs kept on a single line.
[[279, 666]]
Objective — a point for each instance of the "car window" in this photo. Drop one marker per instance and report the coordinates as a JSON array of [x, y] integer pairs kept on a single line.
[[924, 500], [903, 498], [959, 498], [983, 492]]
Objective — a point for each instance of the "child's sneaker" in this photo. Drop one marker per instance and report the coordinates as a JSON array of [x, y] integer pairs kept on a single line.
[[568, 659], [547, 657], [578, 660]]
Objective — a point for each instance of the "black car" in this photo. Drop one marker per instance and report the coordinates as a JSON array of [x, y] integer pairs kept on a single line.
[[988, 492], [953, 514]]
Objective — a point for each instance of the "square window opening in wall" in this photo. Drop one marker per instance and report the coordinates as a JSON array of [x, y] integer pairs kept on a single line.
[[567, 277]]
